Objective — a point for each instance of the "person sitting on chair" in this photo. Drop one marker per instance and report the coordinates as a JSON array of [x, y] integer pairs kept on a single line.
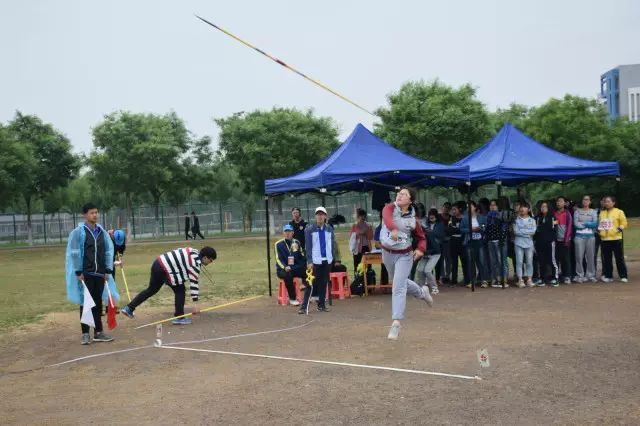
[[290, 261]]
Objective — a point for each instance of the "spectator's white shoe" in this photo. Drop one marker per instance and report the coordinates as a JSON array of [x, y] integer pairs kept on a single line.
[[593, 280], [294, 303], [521, 283], [624, 280], [530, 283], [435, 290], [605, 279]]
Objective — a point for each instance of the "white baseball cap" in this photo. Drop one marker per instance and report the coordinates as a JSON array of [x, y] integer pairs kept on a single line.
[[321, 210]]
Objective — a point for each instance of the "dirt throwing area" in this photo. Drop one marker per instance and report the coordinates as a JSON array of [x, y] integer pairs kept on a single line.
[[568, 355]]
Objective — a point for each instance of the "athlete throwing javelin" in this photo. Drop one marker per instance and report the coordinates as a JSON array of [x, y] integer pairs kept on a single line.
[[400, 230]]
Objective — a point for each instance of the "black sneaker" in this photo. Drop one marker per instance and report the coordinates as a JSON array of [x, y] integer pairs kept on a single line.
[[323, 309], [302, 311], [101, 337]]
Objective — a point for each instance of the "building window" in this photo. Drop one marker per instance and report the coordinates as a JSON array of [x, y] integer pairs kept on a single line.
[[634, 103]]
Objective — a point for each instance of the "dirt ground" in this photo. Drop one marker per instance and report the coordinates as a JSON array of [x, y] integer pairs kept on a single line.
[[568, 355]]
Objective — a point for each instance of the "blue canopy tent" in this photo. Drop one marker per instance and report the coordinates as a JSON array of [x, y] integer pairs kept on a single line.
[[362, 163], [512, 158]]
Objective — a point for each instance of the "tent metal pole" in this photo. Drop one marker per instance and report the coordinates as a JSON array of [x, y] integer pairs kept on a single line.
[[266, 213], [469, 263], [499, 190]]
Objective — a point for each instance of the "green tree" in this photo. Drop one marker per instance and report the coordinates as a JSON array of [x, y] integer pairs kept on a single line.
[[516, 114], [12, 156], [271, 144], [141, 154], [573, 125], [434, 121], [46, 161]]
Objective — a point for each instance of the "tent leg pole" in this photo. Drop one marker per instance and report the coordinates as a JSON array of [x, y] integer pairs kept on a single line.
[[499, 190], [266, 212], [469, 263]]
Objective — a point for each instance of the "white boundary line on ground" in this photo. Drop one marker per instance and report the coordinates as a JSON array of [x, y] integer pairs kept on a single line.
[[257, 333], [315, 361], [82, 358]]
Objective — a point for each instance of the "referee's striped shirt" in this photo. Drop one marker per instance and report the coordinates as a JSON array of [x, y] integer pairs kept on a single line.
[[181, 265]]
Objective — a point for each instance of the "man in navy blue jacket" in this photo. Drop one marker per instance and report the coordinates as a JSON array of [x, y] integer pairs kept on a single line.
[[290, 261]]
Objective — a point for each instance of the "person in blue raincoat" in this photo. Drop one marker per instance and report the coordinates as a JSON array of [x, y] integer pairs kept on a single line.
[[89, 259]]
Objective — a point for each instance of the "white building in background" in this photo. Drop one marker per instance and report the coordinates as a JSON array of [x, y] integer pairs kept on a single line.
[[620, 90]]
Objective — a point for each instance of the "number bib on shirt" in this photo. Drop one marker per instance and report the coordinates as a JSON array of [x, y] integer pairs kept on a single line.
[[290, 261], [476, 236], [605, 225]]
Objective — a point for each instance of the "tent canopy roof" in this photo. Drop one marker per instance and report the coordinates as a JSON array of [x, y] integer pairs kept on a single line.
[[364, 162], [512, 158]]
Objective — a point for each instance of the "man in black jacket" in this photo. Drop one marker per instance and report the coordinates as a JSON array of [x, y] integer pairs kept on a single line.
[[187, 226], [290, 262], [298, 224], [195, 228]]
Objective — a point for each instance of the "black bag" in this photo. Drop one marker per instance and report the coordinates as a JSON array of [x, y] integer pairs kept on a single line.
[[371, 277], [357, 285], [338, 268]]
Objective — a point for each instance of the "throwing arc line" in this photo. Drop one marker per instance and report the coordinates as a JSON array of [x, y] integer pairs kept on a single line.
[[315, 361]]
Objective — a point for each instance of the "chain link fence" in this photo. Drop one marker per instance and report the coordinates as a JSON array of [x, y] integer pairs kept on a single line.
[[215, 218]]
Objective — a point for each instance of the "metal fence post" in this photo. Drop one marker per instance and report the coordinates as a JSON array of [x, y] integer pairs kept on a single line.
[[15, 231], [133, 222], [162, 218], [60, 227], [220, 216], [44, 222]]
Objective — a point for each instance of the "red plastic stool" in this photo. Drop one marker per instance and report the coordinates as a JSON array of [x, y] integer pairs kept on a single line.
[[283, 294], [340, 285]]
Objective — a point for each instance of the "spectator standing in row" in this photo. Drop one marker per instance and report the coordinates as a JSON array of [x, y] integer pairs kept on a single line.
[[524, 229], [362, 232], [545, 242], [456, 245], [434, 232], [443, 268], [611, 226], [585, 220], [474, 244], [564, 224], [496, 241], [298, 224]]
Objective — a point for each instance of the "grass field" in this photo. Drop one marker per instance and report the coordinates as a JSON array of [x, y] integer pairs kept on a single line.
[[33, 279]]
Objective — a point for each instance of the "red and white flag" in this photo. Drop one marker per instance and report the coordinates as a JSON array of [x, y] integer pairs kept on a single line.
[[87, 304], [111, 310]]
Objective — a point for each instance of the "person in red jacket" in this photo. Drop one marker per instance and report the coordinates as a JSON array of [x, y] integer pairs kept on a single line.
[[400, 228], [564, 228]]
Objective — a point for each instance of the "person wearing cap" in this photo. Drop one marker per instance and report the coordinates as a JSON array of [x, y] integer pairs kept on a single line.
[[322, 250], [290, 261]]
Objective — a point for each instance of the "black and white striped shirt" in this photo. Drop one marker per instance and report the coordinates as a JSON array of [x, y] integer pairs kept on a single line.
[[181, 265]]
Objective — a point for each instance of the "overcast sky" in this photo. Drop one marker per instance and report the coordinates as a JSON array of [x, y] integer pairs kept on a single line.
[[72, 62]]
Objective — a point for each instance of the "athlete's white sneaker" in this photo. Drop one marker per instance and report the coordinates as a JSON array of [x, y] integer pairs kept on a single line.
[[294, 302], [394, 332], [426, 296], [624, 280]]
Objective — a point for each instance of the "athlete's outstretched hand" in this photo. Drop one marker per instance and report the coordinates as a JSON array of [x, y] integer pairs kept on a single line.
[[417, 254]]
